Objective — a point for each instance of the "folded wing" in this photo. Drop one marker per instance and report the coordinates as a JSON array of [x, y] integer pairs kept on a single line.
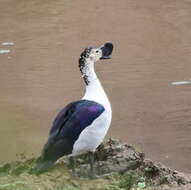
[[68, 125]]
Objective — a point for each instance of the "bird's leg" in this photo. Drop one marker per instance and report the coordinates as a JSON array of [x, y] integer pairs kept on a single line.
[[72, 164], [91, 161]]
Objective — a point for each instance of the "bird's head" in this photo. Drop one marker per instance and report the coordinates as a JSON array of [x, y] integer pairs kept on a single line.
[[93, 54]]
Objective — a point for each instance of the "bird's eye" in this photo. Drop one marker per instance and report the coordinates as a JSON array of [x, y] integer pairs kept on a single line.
[[97, 51]]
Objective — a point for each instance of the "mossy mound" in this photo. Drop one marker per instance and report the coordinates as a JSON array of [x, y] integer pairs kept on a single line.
[[118, 165]]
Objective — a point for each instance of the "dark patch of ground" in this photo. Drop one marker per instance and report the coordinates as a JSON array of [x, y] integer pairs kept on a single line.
[[119, 166]]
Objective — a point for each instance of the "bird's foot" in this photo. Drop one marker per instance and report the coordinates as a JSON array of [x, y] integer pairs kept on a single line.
[[74, 174], [94, 176]]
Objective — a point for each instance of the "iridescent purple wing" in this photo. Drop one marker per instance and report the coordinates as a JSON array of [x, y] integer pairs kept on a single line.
[[68, 125]]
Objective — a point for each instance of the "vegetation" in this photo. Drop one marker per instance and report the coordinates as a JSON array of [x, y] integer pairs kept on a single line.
[[118, 165]]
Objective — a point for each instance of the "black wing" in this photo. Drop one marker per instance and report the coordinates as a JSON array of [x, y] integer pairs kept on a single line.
[[68, 125]]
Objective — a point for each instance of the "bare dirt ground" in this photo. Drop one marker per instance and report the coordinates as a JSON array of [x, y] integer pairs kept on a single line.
[[39, 76]]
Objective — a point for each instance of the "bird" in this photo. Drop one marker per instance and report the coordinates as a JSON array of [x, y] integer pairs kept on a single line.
[[82, 125]]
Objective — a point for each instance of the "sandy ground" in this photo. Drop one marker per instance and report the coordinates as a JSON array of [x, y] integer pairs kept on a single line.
[[39, 76]]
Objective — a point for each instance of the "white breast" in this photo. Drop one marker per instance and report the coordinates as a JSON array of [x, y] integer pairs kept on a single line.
[[92, 136]]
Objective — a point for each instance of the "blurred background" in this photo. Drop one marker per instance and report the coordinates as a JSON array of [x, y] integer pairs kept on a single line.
[[40, 43]]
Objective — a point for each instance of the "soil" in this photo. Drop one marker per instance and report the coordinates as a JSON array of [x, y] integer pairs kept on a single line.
[[118, 166]]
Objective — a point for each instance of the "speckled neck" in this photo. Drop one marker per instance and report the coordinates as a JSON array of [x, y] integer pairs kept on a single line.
[[87, 66], [87, 72]]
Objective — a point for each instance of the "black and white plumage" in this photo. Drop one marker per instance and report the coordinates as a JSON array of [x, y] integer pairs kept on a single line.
[[82, 125]]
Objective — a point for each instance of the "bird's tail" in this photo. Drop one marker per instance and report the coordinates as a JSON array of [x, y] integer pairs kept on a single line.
[[42, 166]]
